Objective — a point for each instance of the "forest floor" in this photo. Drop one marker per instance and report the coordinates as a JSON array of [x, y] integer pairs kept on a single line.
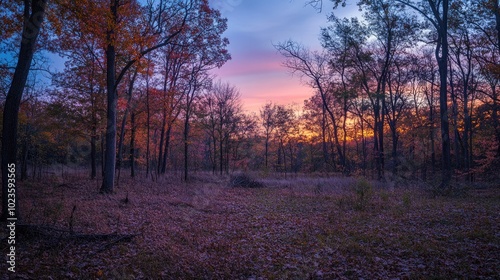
[[301, 228]]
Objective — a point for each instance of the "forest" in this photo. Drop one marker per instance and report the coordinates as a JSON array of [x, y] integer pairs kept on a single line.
[[133, 160]]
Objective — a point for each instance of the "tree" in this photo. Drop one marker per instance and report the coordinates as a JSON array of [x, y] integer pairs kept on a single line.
[[314, 66], [86, 61], [436, 13], [126, 29], [207, 50], [268, 120], [400, 75], [33, 16], [285, 124], [175, 59], [222, 120], [128, 107]]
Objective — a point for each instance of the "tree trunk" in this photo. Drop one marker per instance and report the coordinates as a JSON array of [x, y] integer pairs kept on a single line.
[[344, 138], [326, 157], [132, 145], [381, 96], [454, 114], [221, 155], [31, 28], [24, 157], [124, 123], [267, 150], [93, 154], [148, 121], [110, 153], [394, 151], [227, 155], [167, 146], [214, 162], [496, 10], [442, 59], [162, 136], [186, 146], [332, 116], [103, 137]]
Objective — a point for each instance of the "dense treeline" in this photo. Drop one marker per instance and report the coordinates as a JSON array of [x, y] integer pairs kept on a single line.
[[391, 80], [378, 107]]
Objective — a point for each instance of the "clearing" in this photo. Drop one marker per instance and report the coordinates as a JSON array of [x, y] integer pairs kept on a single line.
[[301, 228]]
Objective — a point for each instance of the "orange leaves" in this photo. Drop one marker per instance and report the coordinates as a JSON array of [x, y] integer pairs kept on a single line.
[[77, 22], [99, 273], [10, 18]]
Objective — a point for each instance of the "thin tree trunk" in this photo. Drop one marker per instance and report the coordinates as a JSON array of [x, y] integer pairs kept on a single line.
[[267, 149], [228, 150], [103, 137], [214, 163], [334, 124], [394, 150], [186, 146], [24, 157], [124, 123], [148, 120], [496, 11], [221, 156], [344, 140], [162, 136], [132, 145], [326, 157], [167, 146], [93, 154]]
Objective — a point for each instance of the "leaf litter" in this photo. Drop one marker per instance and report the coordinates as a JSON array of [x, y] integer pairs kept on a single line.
[[206, 230]]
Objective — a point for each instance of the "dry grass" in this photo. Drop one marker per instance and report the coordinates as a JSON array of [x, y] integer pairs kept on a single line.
[[300, 228]]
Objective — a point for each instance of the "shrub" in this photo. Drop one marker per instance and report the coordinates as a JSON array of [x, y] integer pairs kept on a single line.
[[363, 193], [244, 181]]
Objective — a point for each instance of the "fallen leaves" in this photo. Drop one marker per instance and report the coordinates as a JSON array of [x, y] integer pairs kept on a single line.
[[209, 231]]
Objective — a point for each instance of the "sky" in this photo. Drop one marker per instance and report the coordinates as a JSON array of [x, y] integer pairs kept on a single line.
[[256, 66]]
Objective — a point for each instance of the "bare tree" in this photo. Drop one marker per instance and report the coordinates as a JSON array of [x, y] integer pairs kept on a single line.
[[222, 120], [268, 120], [314, 67]]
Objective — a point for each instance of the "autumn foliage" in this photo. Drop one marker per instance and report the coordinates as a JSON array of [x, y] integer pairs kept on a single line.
[[135, 162]]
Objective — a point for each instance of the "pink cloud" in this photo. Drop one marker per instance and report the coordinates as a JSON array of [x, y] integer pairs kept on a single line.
[[250, 63]]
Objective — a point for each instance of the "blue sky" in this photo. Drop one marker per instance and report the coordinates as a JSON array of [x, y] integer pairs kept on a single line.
[[253, 27]]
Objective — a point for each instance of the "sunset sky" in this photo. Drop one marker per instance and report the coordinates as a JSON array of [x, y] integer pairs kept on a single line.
[[256, 67]]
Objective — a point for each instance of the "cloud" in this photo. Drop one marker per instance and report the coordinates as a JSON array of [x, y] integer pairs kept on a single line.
[[252, 62], [256, 67]]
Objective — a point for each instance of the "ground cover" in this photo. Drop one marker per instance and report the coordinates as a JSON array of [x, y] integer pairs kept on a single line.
[[295, 228]]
